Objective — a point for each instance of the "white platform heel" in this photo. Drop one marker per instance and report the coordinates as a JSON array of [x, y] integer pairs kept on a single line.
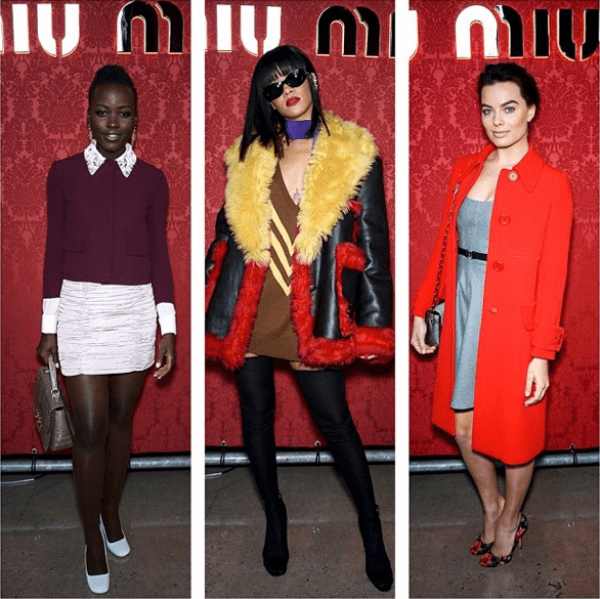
[[98, 583], [119, 548]]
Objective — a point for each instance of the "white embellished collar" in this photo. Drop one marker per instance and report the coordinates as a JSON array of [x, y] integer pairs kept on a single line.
[[95, 160]]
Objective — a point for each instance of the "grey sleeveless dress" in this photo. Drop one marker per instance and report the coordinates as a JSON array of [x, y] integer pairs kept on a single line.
[[473, 225]]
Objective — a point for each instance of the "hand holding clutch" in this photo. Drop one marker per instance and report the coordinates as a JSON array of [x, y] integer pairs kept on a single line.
[[417, 339]]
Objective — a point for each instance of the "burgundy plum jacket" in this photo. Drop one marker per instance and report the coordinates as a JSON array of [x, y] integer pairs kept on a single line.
[[341, 287], [107, 228]]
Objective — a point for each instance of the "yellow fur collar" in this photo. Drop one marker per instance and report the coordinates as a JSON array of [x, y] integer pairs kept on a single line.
[[336, 168]]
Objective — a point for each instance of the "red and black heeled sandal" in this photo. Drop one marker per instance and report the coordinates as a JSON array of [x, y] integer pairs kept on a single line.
[[479, 547], [489, 560]]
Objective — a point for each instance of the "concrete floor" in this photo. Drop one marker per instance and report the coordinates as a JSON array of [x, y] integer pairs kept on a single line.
[[560, 550], [559, 556], [326, 553], [42, 539]]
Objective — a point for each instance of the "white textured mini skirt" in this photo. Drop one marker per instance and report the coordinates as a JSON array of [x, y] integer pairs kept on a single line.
[[105, 329]]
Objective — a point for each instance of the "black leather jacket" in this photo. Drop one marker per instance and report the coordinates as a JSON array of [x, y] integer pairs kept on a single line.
[[341, 299]]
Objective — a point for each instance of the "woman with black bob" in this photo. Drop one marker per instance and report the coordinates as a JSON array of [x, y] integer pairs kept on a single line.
[[499, 264], [299, 271], [106, 277]]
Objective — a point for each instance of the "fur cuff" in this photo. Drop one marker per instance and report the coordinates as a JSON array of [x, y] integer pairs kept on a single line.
[[318, 351], [373, 341]]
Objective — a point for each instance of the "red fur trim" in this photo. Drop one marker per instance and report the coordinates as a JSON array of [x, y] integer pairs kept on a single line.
[[328, 352], [375, 341], [355, 231], [218, 255], [231, 348], [318, 351], [300, 304], [356, 207], [347, 255]]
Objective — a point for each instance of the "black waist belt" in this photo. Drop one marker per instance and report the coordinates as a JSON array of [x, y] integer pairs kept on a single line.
[[472, 255]]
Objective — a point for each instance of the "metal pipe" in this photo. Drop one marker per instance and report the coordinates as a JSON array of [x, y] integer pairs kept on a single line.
[[226, 458], [571, 458], [42, 464]]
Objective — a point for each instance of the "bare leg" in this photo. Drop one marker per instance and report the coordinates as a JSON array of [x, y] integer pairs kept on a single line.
[[89, 399], [518, 479], [483, 472], [124, 389]]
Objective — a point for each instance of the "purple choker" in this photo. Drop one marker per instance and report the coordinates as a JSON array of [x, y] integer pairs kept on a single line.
[[297, 129]]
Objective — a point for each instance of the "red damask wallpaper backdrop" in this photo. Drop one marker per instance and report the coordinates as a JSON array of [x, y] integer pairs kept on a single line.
[[44, 103], [444, 123], [356, 88]]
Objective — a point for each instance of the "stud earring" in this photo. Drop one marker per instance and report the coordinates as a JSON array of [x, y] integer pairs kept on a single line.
[[133, 137], [90, 136], [314, 80]]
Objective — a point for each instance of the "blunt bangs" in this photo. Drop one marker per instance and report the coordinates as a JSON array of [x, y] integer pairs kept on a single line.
[[279, 62]]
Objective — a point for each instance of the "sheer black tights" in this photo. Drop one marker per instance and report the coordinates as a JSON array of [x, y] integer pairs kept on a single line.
[[325, 393], [102, 409]]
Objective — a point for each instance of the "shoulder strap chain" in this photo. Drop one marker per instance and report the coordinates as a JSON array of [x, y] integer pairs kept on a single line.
[[441, 265]]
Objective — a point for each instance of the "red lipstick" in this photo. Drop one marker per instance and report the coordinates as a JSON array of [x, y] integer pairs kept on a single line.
[[292, 101]]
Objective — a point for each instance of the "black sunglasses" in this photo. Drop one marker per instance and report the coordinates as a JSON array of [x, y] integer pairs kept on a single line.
[[296, 78]]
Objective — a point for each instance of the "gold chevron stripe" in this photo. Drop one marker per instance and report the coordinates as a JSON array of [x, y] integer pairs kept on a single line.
[[281, 255], [284, 260], [279, 278], [282, 231]]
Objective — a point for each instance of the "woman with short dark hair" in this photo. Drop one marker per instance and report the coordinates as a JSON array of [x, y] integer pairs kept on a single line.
[[106, 277], [501, 254]]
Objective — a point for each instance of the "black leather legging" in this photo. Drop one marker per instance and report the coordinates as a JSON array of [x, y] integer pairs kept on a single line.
[[325, 393]]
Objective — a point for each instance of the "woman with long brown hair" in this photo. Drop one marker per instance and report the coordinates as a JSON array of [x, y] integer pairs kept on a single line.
[[499, 264]]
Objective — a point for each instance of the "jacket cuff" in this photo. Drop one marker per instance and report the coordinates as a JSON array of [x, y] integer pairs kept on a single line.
[[375, 341], [544, 354], [419, 312], [547, 338], [49, 324], [50, 315], [421, 305], [166, 318]]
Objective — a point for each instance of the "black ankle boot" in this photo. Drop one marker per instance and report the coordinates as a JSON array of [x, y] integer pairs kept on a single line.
[[275, 552], [379, 569]]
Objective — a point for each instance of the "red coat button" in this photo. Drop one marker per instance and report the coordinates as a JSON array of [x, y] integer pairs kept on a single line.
[[493, 310], [504, 219], [513, 176], [499, 266]]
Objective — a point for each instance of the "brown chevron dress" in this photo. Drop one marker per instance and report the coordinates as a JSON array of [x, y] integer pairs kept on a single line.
[[273, 334]]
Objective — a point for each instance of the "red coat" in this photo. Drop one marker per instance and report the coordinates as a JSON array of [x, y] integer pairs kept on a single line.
[[524, 284]]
